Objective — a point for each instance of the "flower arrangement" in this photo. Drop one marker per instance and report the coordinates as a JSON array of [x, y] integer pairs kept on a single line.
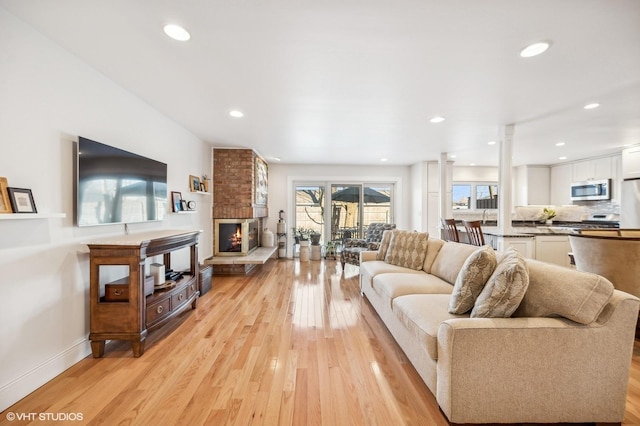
[[548, 214]]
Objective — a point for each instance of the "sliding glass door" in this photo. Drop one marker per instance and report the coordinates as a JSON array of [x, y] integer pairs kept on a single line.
[[354, 207]]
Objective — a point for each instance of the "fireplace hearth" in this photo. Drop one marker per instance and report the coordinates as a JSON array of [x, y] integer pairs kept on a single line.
[[235, 237]]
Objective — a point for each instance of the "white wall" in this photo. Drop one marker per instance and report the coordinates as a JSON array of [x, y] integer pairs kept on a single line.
[[283, 176], [47, 99]]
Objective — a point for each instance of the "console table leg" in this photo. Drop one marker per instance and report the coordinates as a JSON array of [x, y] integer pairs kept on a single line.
[[97, 348], [138, 348]]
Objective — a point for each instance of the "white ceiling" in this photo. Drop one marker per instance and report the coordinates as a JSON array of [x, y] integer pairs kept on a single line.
[[351, 82]]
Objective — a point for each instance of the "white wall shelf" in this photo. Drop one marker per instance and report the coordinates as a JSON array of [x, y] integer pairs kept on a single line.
[[200, 192], [18, 216]]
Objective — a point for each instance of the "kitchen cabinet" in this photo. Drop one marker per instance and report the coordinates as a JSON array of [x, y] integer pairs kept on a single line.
[[553, 249], [523, 245], [631, 162], [597, 168]]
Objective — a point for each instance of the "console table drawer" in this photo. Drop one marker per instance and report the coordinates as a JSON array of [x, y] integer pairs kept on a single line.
[[158, 310], [178, 298], [192, 287]]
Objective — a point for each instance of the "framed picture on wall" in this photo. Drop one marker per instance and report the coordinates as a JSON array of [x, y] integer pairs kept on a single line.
[[261, 182], [21, 200], [5, 204], [194, 183], [176, 201]]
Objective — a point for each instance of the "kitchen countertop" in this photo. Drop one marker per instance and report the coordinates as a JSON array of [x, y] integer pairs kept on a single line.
[[531, 229]]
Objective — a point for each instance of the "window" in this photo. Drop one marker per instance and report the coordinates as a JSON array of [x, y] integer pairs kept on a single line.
[[474, 196], [345, 211]]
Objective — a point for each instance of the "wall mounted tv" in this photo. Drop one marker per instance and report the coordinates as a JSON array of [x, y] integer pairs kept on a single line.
[[116, 186]]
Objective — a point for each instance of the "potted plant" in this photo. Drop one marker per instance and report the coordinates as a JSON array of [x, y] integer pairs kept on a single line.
[[547, 215], [315, 238], [301, 234]]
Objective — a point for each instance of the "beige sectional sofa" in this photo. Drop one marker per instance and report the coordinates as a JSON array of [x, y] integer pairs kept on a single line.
[[562, 356]]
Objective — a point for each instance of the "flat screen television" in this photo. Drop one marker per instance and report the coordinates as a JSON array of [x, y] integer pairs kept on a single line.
[[116, 186]]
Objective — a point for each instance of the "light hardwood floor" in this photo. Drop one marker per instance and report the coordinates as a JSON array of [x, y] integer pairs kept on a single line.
[[291, 344]]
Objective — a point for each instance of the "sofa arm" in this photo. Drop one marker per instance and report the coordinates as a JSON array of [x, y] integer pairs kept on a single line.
[[543, 370], [355, 242], [366, 256]]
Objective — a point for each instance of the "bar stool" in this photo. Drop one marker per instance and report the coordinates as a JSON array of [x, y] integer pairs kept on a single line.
[[474, 232], [450, 230]]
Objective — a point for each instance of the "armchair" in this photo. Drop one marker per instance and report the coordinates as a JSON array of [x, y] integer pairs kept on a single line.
[[353, 246]]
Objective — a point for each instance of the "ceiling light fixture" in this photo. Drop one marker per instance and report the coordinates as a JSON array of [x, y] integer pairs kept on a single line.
[[384, 159], [491, 143], [559, 143], [592, 105], [472, 164], [236, 114], [562, 158], [176, 32], [437, 119], [534, 49], [452, 156]]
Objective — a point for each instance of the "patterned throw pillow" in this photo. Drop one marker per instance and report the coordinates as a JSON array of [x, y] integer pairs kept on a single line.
[[384, 244], [505, 289], [472, 278], [407, 249]]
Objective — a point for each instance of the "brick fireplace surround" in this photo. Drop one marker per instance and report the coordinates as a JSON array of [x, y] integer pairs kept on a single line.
[[234, 182]]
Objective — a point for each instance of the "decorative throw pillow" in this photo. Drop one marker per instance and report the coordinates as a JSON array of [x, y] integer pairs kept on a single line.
[[472, 277], [407, 249], [384, 244], [505, 289]]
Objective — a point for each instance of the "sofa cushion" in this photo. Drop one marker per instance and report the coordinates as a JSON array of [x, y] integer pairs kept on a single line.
[[433, 248], [400, 284], [505, 289], [407, 249], [472, 277], [557, 291], [377, 267], [384, 244], [422, 315], [450, 259]]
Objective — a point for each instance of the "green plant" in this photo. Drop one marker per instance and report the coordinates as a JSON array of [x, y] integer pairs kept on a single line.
[[548, 213], [303, 233]]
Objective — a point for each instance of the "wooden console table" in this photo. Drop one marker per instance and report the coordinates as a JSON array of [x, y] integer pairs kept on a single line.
[[133, 313]]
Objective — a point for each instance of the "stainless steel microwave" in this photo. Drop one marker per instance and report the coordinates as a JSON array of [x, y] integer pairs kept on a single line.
[[599, 189]]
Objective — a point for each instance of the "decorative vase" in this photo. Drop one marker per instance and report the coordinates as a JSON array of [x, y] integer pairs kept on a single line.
[[315, 239]]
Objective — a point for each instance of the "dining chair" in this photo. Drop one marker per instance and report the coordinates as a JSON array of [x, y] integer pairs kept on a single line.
[[474, 232], [450, 230]]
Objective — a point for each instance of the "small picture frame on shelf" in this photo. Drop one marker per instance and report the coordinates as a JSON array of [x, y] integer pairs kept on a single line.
[[183, 205], [176, 201], [5, 204], [194, 183], [22, 200]]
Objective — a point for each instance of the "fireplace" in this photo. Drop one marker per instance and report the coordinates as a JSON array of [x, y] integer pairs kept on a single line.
[[235, 237]]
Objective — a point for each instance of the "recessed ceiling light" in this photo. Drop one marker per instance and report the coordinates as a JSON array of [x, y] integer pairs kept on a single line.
[[437, 119], [452, 156], [276, 158], [235, 113], [534, 49], [384, 159], [176, 32], [559, 143], [592, 106], [562, 158], [491, 143], [472, 164]]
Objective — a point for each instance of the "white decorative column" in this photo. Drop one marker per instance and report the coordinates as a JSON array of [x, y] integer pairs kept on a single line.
[[505, 193], [444, 210]]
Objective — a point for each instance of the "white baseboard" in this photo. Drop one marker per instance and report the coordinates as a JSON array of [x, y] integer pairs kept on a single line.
[[15, 390]]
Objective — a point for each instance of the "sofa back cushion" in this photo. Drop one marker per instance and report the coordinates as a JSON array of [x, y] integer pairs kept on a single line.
[[450, 259], [407, 249], [433, 247], [557, 291]]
